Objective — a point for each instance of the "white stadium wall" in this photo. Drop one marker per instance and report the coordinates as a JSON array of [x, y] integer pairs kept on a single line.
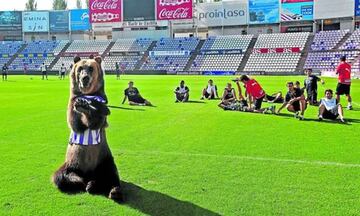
[[328, 9]]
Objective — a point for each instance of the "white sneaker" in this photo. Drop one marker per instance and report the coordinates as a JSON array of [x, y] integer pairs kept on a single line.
[[321, 118], [349, 107], [301, 117]]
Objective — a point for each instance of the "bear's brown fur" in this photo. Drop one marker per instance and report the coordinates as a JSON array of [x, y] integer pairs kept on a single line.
[[88, 168]]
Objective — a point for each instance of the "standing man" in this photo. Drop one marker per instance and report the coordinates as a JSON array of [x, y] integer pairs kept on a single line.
[[294, 101], [4, 72], [117, 70], [344, 81], [182, 92], [310, 84], [256, 95], [43, 69], [62, 71]]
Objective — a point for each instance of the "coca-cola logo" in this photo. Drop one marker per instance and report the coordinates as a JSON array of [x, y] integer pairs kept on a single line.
[[105, 5], [179, 13]]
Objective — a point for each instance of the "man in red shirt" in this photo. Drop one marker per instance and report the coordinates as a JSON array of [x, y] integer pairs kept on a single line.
[[256, 95], [344, 81]]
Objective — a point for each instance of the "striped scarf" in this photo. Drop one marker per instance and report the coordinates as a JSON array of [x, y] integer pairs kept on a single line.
[[88, 137]]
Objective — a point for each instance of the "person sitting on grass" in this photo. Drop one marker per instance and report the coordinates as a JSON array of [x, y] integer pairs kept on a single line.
[[294, 101], [182, 93], [134, 96], [228, 98], [297, 85], [210, 91], [274, 98], [330, 108], [310, 84], [256, 95]]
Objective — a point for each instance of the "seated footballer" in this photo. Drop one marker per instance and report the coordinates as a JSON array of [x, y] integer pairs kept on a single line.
[[89, 165], [134, 97]]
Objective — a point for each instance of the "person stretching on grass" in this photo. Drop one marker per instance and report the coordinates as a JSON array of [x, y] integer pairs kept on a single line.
[[310, 84], [330, 108], [134, 96], [274, 98], [294, 101], [182, 93], [210, 91], [256, 95], [229, 97]]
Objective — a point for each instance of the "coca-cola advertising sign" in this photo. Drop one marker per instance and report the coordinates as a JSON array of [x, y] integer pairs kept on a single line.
[[174, 9], [103, 11]]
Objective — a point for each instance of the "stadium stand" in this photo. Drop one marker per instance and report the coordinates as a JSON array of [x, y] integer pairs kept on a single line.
[[282, 40], [66, 60], [353, 42], [327, 40], [221, 61], [327, 61], [227, 42], [277, 61], [133, 45], [80, 46], [10, 48], [167, 63], [183, 44], [128, 61]]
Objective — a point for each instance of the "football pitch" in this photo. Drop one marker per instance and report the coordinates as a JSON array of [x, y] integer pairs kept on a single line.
[[182, 159]]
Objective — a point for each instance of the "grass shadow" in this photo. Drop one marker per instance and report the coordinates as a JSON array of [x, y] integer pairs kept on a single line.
[[195, 102], [125, 108], [326, 121], [157, 204]]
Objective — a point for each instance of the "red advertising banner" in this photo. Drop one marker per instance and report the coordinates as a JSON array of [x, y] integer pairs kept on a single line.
[[174, 9], [295, 1], [277, 50], [103, 11]]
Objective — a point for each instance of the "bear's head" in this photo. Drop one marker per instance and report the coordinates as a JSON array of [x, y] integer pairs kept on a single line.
[[87, 78]]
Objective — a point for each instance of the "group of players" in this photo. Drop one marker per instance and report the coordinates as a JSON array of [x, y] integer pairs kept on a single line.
[[294, 100]]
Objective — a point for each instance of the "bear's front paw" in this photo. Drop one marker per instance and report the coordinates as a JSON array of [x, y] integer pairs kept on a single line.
[[81, 105], [116, 194], [91, 187]]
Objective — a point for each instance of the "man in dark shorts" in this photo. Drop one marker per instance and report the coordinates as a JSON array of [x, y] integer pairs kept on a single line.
[[228, 98], [43, 69], [117, 70], [62, 71], [134, 96], [274, 98], [4, 72], [344, 81], [310, 84], [330, 108], [182, 93], [210, 91], [294, 101], [256, 95]]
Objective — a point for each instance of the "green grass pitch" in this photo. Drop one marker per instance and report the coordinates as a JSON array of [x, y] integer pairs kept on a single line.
[[181, 159]]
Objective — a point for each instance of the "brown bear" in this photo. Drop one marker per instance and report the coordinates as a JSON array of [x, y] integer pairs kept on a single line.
[[89, 165]]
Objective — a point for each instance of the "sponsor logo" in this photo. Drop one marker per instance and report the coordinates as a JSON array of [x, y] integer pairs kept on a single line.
[[105, 5], [84, 16], [180, 13], [226, 14], [173, 2]]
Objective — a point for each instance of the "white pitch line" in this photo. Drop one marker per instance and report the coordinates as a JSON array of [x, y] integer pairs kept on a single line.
[[318, 163]]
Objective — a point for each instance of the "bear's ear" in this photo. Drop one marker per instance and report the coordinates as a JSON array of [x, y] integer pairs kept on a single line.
[[98, 59]]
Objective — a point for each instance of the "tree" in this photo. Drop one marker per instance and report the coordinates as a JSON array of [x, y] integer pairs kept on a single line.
[[31, 5], [59, 4], [78, 4]]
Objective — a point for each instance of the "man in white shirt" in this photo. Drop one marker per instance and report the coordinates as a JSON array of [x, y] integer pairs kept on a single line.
[[330, 108], [210, 91], [62, 71], [43, 69], [182, 92]]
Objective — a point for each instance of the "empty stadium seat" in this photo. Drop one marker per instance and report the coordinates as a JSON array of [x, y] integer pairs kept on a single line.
[[353, 42], [224, 62], [227, 42], [167, 63], [81, 46], [282, 40], [326, 40], [128, 61], [273, 62], [181, 44], [327, 61], [133, 45]]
